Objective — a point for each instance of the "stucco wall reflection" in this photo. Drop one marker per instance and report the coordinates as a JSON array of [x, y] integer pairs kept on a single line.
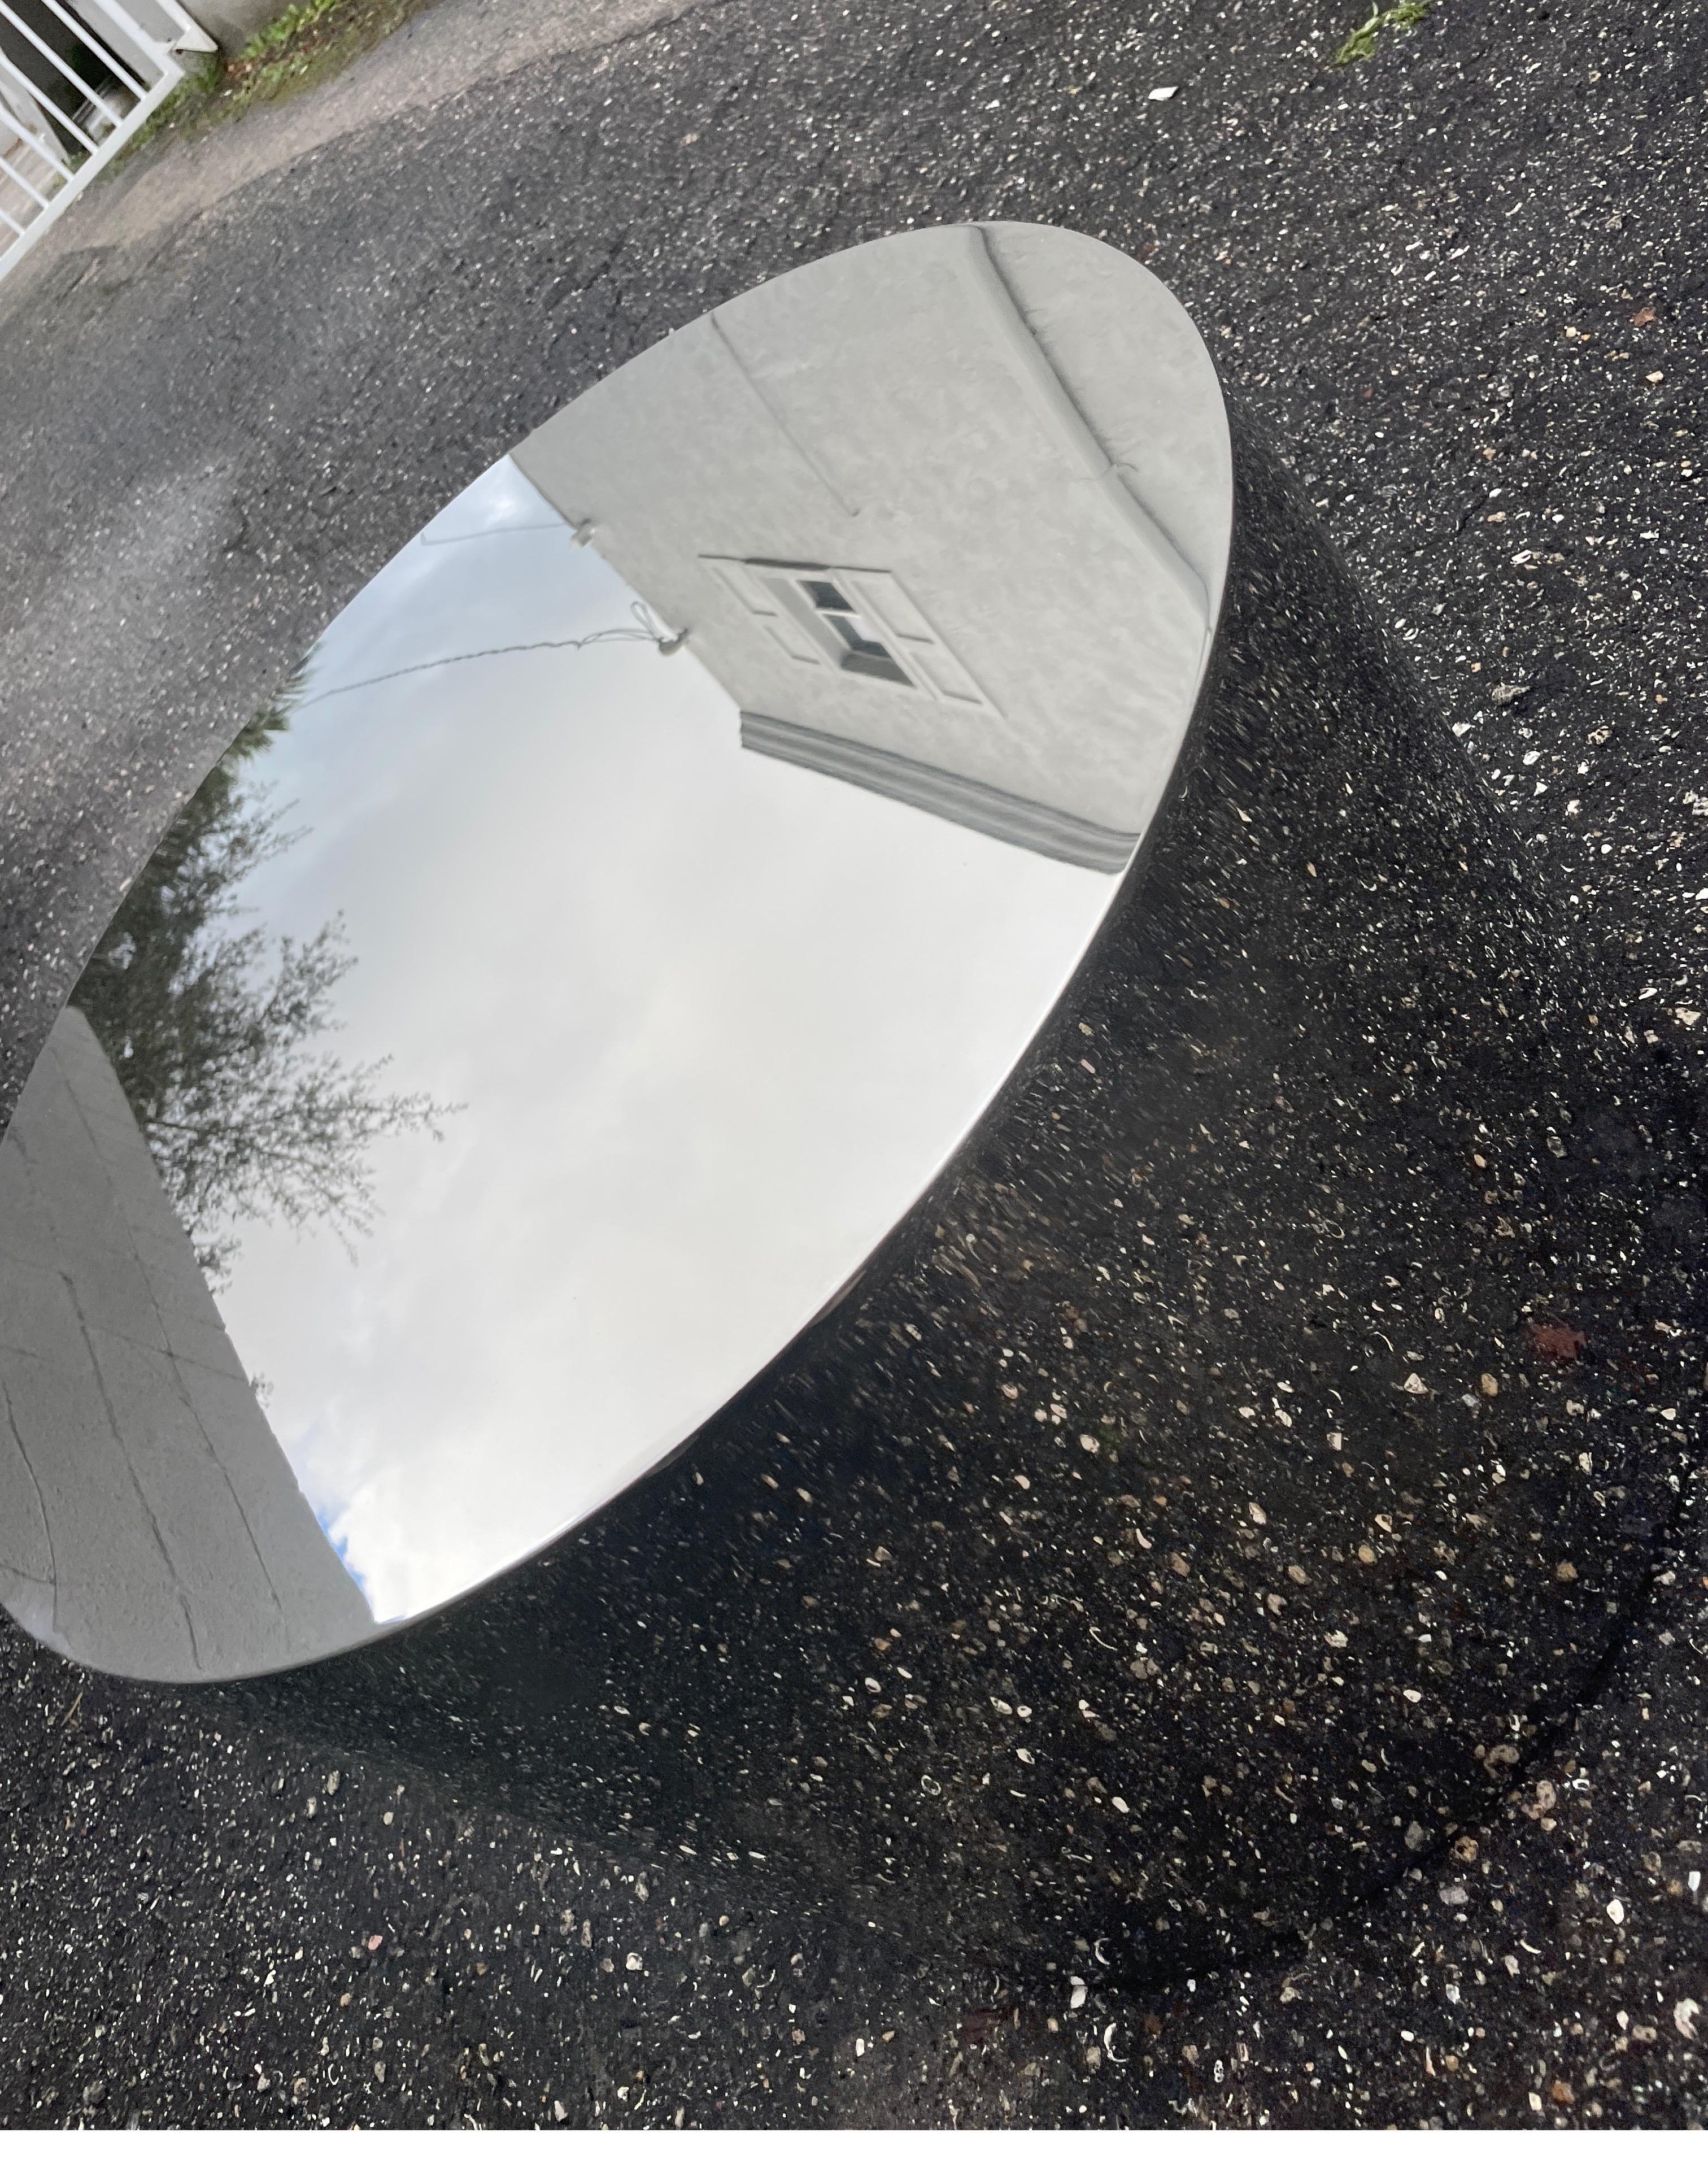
[[150, 1518], [1005, 445]]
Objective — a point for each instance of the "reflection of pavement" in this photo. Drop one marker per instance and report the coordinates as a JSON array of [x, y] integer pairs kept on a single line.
[[127, 1535], [1284, 197]]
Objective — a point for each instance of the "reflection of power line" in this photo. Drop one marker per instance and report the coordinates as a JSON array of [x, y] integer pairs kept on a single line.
[[650, 630], [498, 530]]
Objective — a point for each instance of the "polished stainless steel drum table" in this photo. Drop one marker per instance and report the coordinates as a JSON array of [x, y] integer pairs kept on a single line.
[[867, 913]]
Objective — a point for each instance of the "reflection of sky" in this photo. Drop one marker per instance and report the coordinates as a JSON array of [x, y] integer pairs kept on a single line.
[[714, 1022]]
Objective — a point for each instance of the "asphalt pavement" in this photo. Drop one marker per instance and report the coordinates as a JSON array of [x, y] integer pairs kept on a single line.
[[1457, 288]]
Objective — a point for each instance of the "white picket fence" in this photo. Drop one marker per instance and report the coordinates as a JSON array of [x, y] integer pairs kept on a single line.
[[77, 79]]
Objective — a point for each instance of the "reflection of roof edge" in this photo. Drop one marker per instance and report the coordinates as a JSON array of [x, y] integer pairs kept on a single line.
[[970, 803]]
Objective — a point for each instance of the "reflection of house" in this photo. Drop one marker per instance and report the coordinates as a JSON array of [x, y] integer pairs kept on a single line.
[[151, 1524], [947, 516]]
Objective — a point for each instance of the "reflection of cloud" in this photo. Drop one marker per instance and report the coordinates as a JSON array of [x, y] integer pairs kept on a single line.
[[335, 1523], [714, 1024]]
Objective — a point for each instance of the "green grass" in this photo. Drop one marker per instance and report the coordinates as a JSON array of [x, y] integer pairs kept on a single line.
[[285, 30], [311, 41], [1359, 44]]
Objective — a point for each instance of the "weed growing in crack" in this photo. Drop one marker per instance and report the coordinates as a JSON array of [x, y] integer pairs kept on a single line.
[[1359, 45]]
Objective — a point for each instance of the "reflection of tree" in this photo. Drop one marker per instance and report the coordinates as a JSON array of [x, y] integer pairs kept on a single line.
[[214, 1041]]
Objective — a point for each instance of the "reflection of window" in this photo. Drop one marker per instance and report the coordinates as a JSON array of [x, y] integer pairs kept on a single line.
[[862, 650], [859, 620]]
